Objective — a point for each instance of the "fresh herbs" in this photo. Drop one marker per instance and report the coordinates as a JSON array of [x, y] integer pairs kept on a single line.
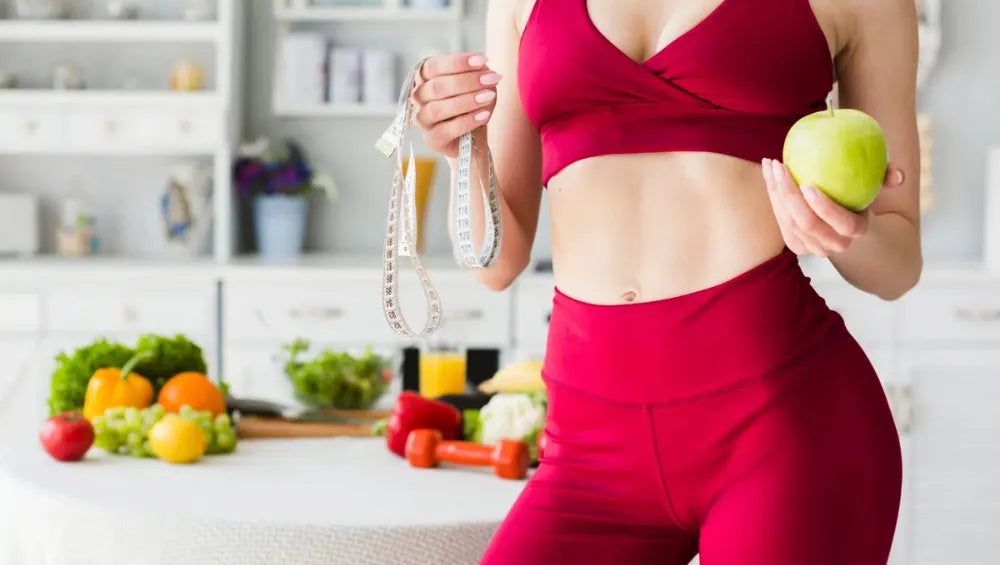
[[169, 356], [336, 379]]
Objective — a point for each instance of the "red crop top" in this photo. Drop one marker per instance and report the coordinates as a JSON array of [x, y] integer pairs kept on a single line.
[[734, 84]]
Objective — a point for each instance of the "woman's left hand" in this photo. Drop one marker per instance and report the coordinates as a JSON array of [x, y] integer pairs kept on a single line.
[[809, 220]]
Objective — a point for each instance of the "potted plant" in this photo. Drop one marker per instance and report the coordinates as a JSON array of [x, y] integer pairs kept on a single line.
[[280, 181]]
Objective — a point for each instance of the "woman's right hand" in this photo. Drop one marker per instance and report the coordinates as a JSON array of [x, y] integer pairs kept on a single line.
[[454, 95]]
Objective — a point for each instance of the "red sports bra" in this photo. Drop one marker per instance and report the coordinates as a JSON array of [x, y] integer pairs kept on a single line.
[[734, 84]]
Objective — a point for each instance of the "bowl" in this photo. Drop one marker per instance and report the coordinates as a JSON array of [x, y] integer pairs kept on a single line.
[[344, 379]]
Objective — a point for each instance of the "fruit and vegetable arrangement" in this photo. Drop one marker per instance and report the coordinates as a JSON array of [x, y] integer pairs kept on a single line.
[[159, 359], [151, 400], [505, 432], [153, 431], [337, 379]]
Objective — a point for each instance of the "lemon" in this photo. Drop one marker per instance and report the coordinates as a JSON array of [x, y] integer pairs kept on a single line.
[[177, 440]]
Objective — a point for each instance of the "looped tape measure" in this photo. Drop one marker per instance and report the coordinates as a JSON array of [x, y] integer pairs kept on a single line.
[[401, 225]]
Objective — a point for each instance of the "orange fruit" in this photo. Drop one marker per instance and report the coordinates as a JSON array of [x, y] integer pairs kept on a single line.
[[194, 390]]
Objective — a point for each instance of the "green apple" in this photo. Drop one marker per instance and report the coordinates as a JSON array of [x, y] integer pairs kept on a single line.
[[841, 152]]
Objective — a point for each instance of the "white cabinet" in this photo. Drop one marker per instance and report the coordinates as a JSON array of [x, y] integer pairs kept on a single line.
[[30, 128], [135, 307], [19, 354], [256, 370], [345, 310], [952, 489], [532, 309], [20, 331]]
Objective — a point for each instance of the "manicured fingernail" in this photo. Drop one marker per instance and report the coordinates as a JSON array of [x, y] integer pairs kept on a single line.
[[900, 177], [490, 78], [810, 193], [765, 162], [481, 116], [485, 96], [779, 171], [476, 61]]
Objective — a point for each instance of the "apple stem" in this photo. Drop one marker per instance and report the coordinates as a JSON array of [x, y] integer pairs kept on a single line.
[[829, 106]]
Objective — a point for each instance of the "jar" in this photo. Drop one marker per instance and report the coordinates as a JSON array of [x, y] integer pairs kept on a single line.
[[187, 77], [76, 234]]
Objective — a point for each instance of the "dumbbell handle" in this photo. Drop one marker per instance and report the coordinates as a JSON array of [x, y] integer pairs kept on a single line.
[[509, 458], [465, 453]]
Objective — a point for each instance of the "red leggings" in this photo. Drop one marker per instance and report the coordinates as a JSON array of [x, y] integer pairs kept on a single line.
[[741, 422]]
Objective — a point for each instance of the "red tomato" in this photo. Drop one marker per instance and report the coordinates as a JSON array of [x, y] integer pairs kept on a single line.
[[67, 437]]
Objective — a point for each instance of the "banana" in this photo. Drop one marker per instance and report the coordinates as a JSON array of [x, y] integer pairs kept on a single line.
[[523, 376]]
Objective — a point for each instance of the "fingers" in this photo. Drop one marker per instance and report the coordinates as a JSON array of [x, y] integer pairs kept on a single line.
[[449, 86], [440, 136], [894, 176], [780, 214], [454, 63], [811, 227], [843, 221], [437, 111]]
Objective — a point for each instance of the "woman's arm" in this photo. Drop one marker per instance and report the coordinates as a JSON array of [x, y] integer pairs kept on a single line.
[[462, 93], [877, 74], [877, 250], [516, 151]]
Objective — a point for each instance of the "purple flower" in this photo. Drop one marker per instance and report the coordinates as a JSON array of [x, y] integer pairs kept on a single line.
[[292, 175]]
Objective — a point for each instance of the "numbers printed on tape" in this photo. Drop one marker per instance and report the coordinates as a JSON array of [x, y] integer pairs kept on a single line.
[[401, 221]]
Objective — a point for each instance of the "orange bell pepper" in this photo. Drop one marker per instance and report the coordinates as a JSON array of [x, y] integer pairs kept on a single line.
[[111, 387]]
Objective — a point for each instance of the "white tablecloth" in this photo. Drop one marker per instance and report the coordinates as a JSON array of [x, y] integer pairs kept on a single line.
[[273, 502]]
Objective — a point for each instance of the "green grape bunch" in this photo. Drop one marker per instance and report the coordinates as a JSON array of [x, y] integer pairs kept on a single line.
[[125, 431]]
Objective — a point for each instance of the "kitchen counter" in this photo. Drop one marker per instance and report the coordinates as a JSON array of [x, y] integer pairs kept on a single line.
[[302, 502]]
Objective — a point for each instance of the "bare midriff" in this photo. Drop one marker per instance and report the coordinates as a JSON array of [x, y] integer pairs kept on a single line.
[[638, 228]]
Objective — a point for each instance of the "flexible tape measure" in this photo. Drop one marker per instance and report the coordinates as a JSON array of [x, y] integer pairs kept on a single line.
[[401, 225]]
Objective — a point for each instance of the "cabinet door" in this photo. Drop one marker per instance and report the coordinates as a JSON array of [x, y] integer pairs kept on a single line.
[[952, 492], [532, 308], [256, 370], [19, 354]]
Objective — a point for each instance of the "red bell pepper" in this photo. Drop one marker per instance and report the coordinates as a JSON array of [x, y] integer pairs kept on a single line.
[[414, 412]]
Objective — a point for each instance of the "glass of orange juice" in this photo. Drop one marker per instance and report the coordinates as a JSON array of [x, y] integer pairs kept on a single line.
[[442, 370]]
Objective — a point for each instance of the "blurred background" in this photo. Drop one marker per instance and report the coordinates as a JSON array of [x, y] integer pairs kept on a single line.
[[203, 172]]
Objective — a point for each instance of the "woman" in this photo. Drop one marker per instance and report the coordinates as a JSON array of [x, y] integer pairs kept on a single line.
[[703, 398]]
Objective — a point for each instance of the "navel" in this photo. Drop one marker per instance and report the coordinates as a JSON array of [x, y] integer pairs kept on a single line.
[[629, 296]]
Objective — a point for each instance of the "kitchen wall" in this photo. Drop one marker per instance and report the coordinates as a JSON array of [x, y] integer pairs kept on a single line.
[[961, 97]]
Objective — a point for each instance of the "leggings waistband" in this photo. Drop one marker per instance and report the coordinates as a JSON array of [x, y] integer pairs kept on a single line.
[[681, 347]]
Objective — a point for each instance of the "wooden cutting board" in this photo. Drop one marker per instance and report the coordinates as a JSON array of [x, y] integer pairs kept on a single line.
[[267, 428]]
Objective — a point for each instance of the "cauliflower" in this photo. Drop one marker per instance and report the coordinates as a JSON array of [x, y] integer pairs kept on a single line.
[[512, 416]]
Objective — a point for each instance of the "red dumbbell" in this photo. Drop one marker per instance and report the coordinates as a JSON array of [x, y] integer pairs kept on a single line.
[[509, 458]]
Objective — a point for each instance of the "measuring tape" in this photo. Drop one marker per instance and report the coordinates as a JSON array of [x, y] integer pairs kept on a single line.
[[401, 225]]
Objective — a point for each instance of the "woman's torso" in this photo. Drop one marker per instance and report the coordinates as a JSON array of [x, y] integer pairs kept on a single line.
[[640, 227]]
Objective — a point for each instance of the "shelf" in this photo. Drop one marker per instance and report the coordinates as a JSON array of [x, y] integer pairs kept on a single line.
[[104, 266], [336, 111], [107, 31], [106, 97], [362, 13], [111, 151]]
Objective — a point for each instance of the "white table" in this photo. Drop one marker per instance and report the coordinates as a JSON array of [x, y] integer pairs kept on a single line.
[[273, 502]]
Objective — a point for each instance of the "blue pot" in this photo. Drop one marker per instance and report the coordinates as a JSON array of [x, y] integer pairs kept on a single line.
[[280, 223]]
